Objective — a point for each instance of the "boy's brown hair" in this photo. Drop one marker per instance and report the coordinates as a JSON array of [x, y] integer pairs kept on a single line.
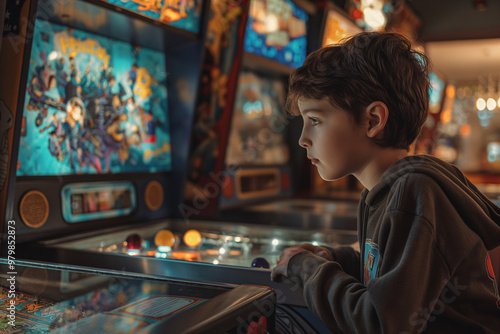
[[369, 67]]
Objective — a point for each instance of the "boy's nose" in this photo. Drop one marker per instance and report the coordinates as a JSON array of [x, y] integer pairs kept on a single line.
[[304, 142]]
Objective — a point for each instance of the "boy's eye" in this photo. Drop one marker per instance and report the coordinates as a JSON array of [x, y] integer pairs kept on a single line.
[[314, 121]]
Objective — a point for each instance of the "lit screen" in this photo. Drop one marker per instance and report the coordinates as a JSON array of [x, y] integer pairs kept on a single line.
[[184, 14], [435, 92], [277, 29], [338, 27], [93, 105], [257, 131]]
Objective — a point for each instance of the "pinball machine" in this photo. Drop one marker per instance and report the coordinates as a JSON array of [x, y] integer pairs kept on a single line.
[[99, 133], [50, 298], [100, 145]]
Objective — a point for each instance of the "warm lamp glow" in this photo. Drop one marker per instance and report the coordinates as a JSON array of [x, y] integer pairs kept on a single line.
[[374, 18], [192, 238], [164, 238], [480, 104], [446, 116], [465, 130], [491, 104], [450, 91]]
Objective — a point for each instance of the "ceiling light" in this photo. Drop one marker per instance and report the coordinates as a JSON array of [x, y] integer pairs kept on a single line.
[[491, 104], [480, 104]]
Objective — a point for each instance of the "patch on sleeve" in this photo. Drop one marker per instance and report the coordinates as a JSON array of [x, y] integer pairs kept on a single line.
[[372, 258]]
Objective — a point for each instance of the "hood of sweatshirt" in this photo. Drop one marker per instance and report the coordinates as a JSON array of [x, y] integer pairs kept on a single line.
[[478, 212]]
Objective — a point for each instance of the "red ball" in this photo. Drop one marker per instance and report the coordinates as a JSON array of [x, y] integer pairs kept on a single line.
[[133, 241]]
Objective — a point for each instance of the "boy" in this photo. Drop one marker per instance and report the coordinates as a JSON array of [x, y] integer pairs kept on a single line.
[[424, 229]]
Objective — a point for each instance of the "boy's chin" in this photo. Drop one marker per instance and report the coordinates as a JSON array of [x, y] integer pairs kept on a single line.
[[330, 176]]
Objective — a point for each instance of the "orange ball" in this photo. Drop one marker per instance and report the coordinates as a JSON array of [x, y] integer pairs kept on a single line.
[[192, 238], [164, 238]]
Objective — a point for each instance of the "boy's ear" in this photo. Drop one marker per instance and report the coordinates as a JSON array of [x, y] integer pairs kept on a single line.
[[377, 114]]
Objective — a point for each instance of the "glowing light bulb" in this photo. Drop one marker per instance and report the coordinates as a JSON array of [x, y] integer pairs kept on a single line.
[[480, 104], [192, 238], [133, 252], [161, 255], [164, 238], [164, 249], [374, 18], [491, 104]]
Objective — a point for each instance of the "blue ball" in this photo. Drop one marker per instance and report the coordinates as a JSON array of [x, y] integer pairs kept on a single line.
[[260, 262]]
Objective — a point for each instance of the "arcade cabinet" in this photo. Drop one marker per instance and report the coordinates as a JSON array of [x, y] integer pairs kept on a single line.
[[268, 179], [105, 99]]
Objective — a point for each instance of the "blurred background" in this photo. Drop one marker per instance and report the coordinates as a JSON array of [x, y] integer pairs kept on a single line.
[[462, 40]]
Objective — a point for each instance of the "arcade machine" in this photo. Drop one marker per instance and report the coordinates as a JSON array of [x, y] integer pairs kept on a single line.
[[41, 298], [99, 150], [95, 142], [265, 166]]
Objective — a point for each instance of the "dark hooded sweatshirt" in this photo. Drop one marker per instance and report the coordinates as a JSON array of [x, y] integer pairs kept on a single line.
[[424, 232]]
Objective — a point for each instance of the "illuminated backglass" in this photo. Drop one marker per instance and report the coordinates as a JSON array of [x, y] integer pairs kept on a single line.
[[257, 130], [93, 106], [277, 29]]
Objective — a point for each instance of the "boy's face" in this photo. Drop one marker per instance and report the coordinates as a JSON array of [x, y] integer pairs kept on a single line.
[[335, 144]]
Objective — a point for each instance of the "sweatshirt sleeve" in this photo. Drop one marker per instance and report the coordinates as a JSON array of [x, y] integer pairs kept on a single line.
[[401, 297], [347, 257]]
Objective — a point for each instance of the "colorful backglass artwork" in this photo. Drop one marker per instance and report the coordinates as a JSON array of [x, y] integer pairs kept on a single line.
[[257, 130], [183, 14], [338, 27], [277, 29], [93, 106]]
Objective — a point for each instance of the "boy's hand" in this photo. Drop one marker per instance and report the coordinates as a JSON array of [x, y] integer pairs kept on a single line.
[[286, 255]]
